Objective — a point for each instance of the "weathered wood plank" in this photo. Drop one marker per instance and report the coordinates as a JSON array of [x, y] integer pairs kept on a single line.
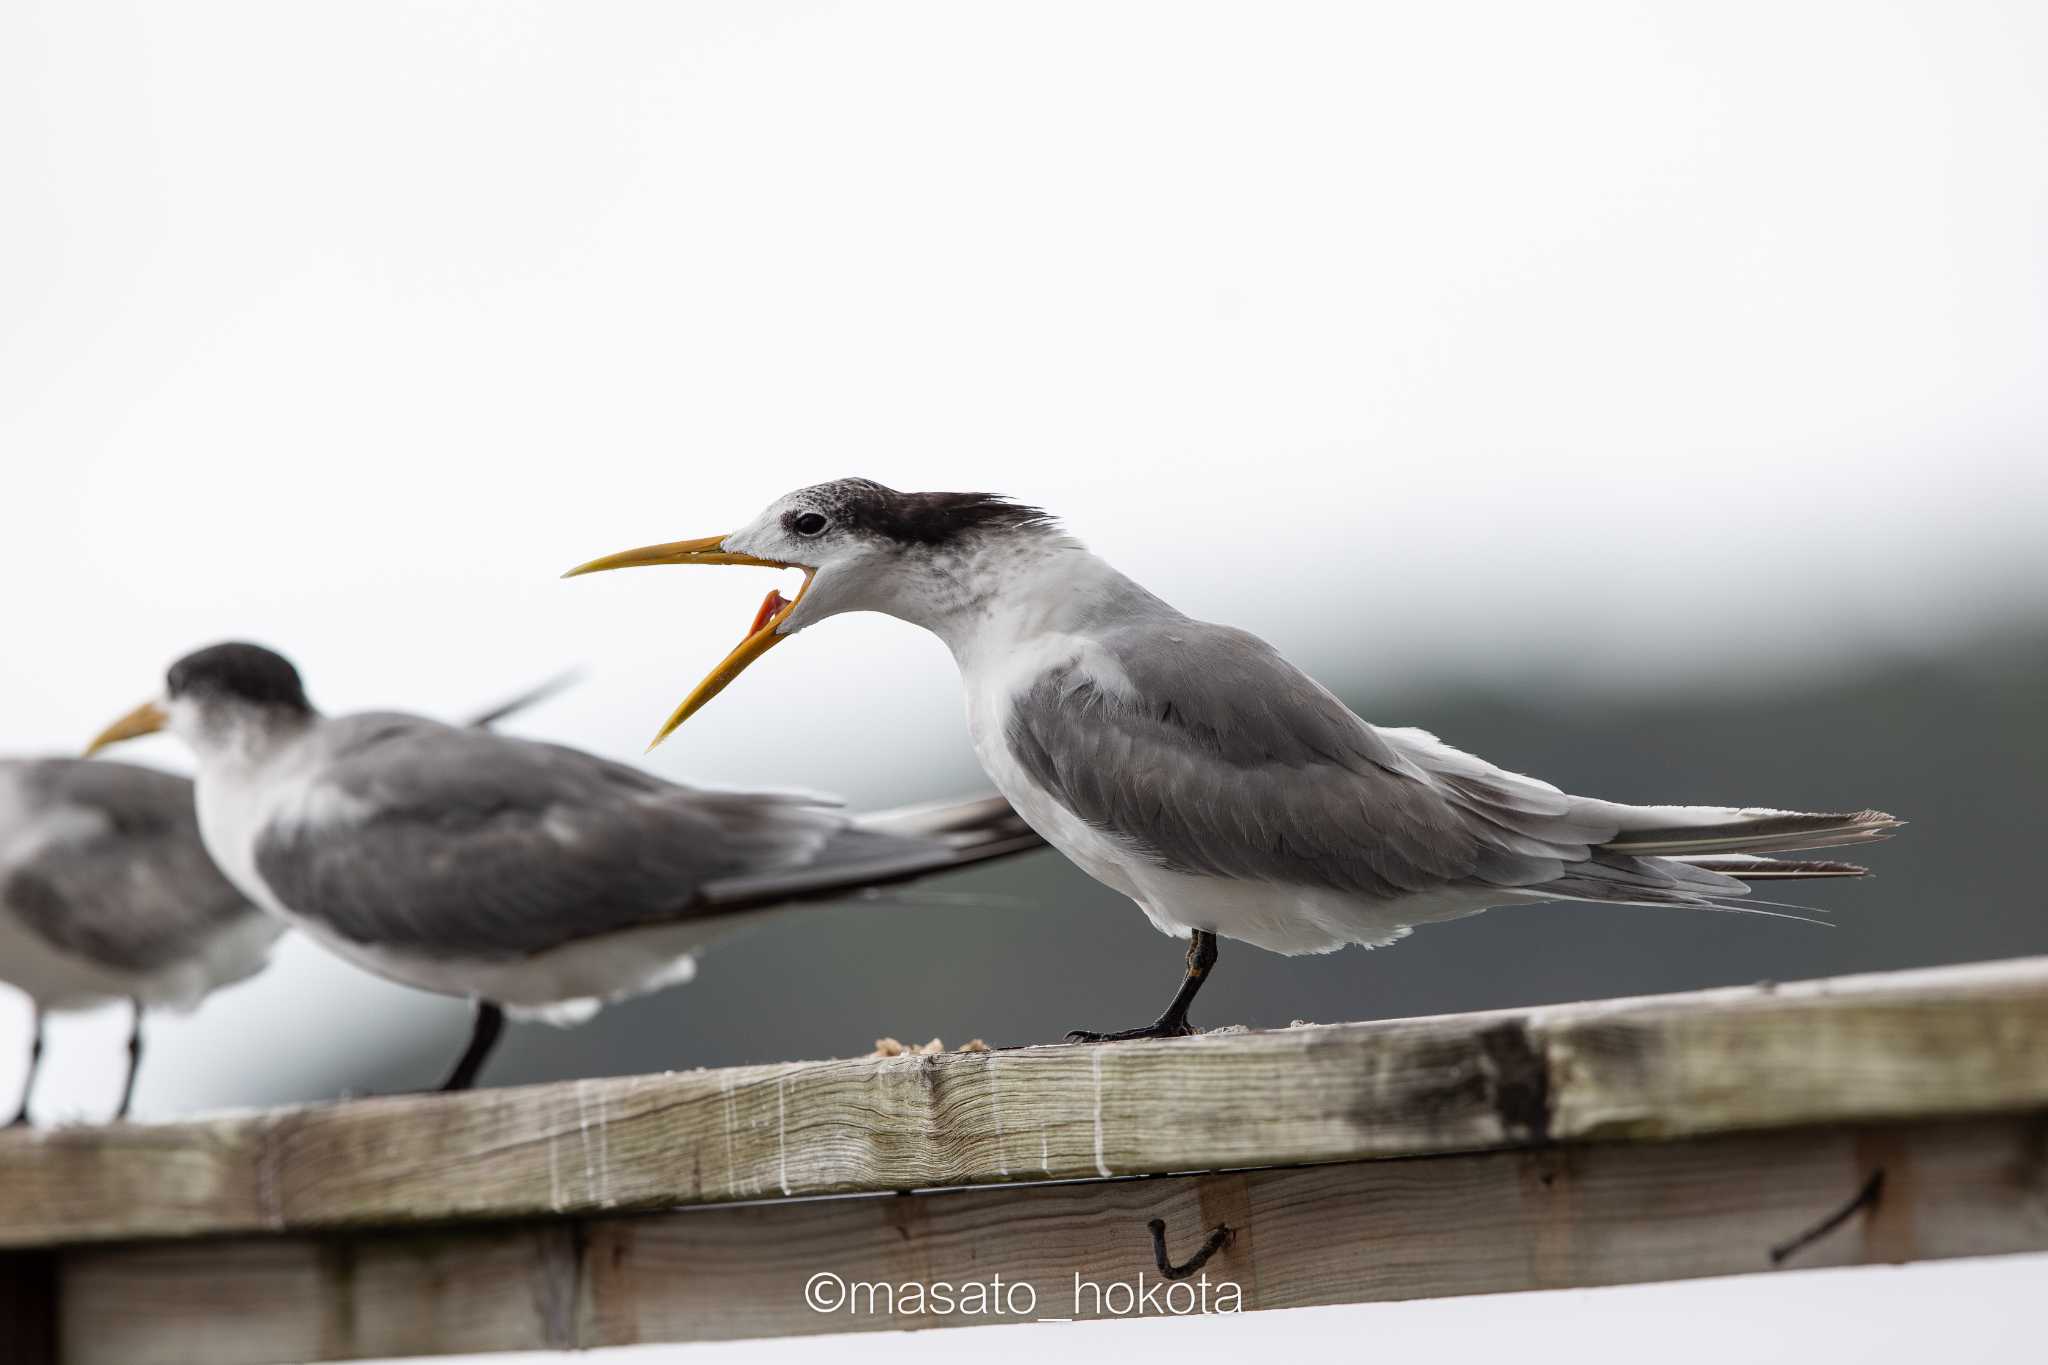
[[1595, 1214], [1947, 1041]]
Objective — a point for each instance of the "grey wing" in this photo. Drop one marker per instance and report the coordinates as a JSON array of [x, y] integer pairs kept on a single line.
[[462, 843], [112, 868], [1212, 755]]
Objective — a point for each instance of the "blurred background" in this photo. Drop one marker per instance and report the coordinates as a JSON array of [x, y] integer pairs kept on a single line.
[[1645, 396]]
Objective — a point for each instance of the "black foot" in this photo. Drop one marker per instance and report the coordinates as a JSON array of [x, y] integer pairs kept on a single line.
[[19, 1120], [1158, 1028], [1174, 1023]]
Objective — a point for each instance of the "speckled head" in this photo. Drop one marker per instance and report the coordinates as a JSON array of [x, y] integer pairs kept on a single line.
[[862, 507]]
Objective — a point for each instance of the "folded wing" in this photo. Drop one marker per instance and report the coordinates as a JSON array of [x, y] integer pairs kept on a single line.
[[1198, 748], [423, 837]]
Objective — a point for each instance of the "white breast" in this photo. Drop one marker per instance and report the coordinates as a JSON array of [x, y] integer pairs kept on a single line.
[[237, 798]]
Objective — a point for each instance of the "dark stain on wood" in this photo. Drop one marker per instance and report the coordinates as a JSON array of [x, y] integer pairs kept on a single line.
[[1520, 1080]]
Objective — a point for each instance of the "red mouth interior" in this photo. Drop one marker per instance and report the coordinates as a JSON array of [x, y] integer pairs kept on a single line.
[[771, 604]]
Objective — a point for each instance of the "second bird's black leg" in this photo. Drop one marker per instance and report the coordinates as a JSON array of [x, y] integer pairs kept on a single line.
[[1174, 1023], [35, 1058], [490, 1022], [134, 1058]]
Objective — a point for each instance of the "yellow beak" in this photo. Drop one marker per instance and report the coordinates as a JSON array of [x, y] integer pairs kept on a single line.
[[145, 719], [760, 639]]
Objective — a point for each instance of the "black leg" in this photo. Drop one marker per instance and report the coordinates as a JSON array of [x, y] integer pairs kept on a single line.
[[1174, 1023], [134, 1058], [490, 1022], [35, 1060]]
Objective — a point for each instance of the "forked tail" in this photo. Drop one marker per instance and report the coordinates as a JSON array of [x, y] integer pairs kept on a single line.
[[1706, 856]]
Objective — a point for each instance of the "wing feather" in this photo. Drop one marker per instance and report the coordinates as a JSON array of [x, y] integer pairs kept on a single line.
[[456, 842], [1200, 749]]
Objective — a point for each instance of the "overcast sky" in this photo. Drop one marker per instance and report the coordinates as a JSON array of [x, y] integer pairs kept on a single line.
[[1637, 341], [1410, 336]]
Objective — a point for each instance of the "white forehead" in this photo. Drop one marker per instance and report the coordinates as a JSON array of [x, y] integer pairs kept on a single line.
[[772, 525], [768, 526]]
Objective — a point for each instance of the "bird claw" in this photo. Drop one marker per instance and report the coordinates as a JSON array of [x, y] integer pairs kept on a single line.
[[1158, 1028]]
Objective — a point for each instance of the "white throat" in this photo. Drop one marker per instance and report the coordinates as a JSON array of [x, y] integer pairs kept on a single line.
[[1014, 591], [229, 738], [252, 765]]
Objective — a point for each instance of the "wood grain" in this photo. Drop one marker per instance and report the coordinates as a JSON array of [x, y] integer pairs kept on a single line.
[[1595, 1214], [1946, 1041]]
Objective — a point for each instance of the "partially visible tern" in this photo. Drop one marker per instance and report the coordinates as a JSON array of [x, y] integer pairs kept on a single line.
[[107, 894], [533, 879], [1190, 767]]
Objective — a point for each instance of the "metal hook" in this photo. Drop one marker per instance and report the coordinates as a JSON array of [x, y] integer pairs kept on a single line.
[[1218, 1240], [1866, 1198]]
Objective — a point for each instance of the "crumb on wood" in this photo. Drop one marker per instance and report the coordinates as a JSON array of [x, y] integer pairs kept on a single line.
[[974, 1045], [892, 1047]]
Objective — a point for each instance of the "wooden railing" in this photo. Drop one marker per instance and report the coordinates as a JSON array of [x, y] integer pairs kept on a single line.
[[1865, 1119]]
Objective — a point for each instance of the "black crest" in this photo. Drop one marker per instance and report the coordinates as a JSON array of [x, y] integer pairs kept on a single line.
[[239, 672], [921, 518]]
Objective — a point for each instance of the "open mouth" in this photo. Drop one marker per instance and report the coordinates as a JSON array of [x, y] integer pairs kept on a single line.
[[761, 634], [771, 611], [760, 638], [775, 608]]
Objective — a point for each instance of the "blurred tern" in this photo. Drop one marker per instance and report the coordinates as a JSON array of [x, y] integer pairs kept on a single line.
[[1191, 768], [107, 894], [534, 879]]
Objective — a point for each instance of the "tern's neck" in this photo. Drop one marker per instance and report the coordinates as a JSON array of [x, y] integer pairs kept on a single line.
[[1022, 589], [238, 739]]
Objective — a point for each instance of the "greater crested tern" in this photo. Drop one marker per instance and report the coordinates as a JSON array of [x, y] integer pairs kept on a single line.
[[535, 880], [1193, 769], [106, 894]]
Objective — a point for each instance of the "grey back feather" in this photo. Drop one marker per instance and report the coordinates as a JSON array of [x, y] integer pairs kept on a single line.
[[120, 876], [424, 837], [1226, 761]]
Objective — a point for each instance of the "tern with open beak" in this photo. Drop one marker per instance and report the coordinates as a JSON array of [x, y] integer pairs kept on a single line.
[[533, 879], [1190, 767]]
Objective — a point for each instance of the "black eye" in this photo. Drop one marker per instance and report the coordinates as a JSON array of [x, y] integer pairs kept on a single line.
[[809, 524]]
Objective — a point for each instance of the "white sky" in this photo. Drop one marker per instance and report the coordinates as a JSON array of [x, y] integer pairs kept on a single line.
[[1418, 338], [1410, 336]]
